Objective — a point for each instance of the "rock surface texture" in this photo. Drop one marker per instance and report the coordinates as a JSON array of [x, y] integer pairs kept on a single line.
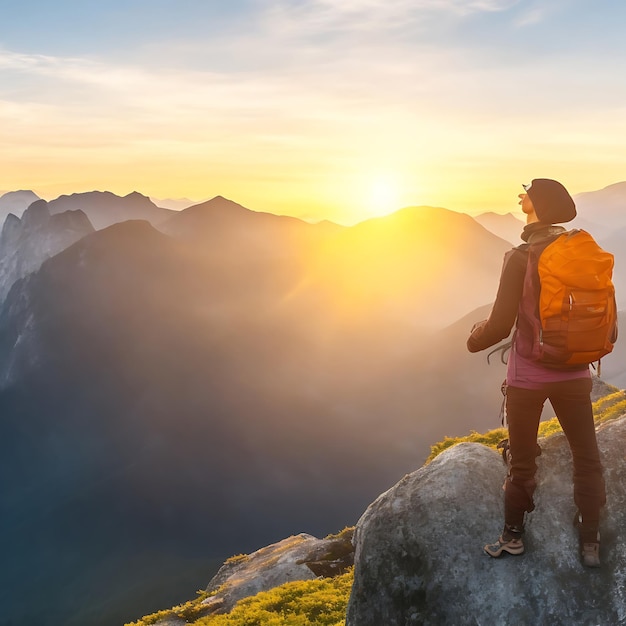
[[419, 556], [27, 242], [300, 557]]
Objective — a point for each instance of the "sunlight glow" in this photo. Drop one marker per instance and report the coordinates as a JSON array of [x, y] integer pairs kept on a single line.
[[382, 193]]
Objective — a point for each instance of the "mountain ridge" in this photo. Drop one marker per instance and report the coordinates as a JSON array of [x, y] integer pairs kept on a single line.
[[105, 208]]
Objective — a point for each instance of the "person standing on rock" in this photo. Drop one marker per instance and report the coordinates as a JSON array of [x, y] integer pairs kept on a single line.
[[530, 383]]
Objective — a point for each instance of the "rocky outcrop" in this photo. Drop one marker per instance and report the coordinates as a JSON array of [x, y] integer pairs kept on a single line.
[[300, 557], [419, 557], [27, 242]]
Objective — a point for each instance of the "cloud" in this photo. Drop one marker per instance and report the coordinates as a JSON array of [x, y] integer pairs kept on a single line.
[[74, 102], [320, 59], [534, 15], [385, 9], [381, 14]]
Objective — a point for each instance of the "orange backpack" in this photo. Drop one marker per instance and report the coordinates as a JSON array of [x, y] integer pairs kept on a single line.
[[568, 314]]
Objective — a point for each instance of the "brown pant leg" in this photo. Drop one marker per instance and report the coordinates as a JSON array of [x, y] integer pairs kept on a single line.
[[524, 408], [572, 404]]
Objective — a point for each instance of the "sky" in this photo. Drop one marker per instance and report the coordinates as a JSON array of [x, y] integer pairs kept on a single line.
[[322, 109]]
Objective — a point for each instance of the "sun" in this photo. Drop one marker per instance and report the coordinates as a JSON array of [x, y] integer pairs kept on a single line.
[[370, 192], [382, 195]]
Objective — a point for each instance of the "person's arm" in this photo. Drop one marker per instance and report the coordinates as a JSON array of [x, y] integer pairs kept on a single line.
[[504, 312]]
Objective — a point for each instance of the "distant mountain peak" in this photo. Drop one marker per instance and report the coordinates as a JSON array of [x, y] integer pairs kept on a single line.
[[507, 226], [16, 202], [20, 192], [105, 208], [221, 201], [137, 195], [218, 206], [175, 204], [37, 213]]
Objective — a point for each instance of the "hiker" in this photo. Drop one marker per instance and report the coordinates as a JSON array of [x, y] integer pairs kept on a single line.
[[529, 383]]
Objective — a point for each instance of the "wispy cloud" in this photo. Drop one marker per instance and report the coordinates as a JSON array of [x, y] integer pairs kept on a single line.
[[379, 18], [534, 15], [377, 9]]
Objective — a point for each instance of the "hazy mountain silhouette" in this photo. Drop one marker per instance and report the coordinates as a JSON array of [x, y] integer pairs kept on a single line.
[[16, 202], [175, 204], [609, 201], [222, 226], [603, 211], [614, 364], [509, 227], [418, 266], [614, 243], [105, 208]]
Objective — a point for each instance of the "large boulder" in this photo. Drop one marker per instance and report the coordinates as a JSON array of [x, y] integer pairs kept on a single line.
[[419, 556]]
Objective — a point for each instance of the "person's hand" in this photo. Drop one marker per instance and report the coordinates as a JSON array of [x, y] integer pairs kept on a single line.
[[477, 325]]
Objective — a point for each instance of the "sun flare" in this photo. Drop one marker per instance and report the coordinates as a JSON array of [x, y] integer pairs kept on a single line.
[[383, 195]]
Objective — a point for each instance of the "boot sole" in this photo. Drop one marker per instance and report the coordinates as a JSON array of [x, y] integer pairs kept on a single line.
[[516, 551]]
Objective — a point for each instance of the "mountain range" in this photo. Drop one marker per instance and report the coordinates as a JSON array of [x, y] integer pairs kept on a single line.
[[222, 378]]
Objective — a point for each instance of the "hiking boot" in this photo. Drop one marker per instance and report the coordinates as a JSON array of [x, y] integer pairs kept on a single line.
[[512, 546], [590, 553]]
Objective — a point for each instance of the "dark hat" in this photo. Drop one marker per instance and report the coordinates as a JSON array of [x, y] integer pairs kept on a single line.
[[551, 200]]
